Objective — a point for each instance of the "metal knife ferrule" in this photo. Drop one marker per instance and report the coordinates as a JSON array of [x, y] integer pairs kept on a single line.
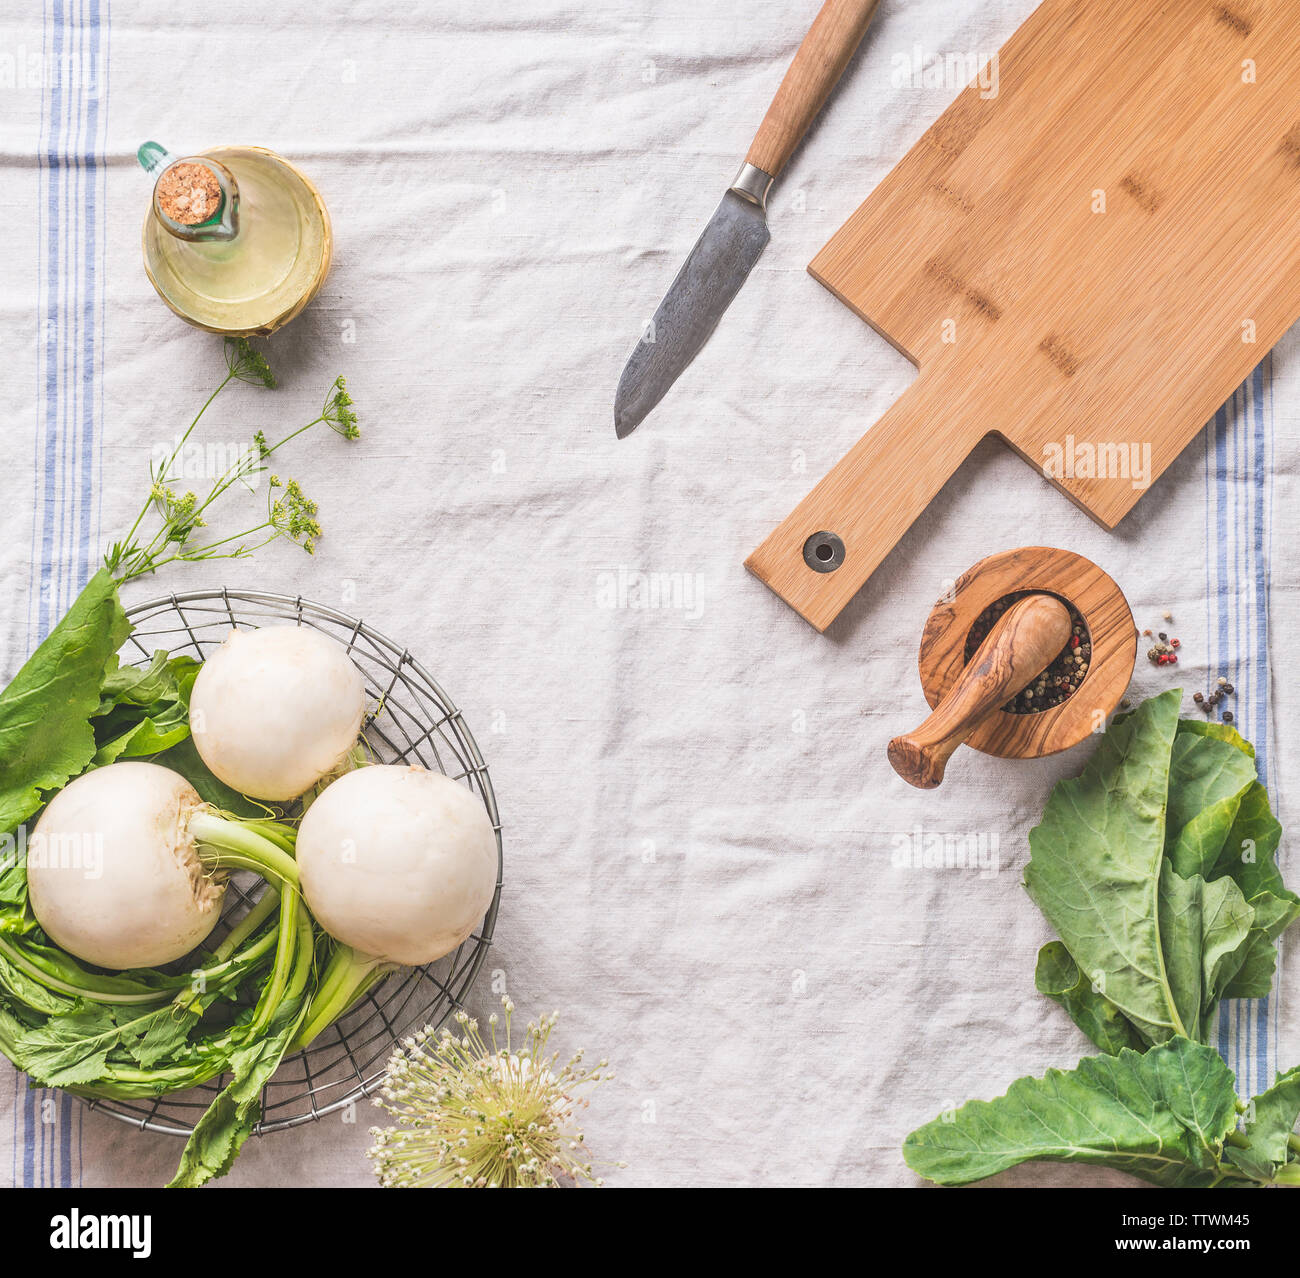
[[753, 184]]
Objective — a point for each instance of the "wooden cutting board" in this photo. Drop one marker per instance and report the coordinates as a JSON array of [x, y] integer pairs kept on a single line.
[[1087, 263]]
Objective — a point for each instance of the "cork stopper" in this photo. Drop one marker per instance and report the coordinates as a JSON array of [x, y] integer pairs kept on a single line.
[[195, 197], [188, 193]]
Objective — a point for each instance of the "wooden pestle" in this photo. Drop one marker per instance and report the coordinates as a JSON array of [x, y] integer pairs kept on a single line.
[[1024, 642]]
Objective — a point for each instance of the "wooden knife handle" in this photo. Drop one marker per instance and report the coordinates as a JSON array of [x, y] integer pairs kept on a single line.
[[825, 52], [1025, 641]]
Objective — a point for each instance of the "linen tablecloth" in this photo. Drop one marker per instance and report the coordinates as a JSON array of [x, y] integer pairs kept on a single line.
[[698, 816]]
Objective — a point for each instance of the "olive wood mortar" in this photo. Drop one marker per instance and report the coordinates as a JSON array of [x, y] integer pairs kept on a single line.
[[967, 697]]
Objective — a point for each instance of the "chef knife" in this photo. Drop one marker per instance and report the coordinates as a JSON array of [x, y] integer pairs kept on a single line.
[[726, 252]]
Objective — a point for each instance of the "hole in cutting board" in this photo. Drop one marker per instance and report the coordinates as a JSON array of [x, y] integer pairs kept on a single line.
[[823, 551], [1062, 679]]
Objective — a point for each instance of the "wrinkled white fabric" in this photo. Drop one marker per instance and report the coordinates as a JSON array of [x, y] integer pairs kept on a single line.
[[700, 823]]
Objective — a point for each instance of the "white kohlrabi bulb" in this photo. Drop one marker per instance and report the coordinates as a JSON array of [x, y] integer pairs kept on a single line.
[[113, 873], [274, 710], [398, 862]]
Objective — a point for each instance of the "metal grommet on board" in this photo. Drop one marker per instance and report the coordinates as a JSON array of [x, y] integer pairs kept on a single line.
[[823, 552]]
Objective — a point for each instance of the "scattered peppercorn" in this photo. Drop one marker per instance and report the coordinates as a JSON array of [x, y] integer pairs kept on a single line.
[[1216, 695], [1162, 653]]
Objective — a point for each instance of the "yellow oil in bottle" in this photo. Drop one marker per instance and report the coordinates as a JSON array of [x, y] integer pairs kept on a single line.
[[263, 270]]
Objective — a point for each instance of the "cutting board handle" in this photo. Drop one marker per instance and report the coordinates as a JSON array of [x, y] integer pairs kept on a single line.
[[835, 33], [828, 546]]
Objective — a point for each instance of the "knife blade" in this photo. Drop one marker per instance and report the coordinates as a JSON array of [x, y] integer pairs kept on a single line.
[[717, 267]]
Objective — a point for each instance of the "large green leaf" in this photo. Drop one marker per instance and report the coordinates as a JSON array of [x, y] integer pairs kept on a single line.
[[1254, 978], [1203, 771], [1249, 849], [1058, 976], [228, 1122], [45, 732], [1247, 857], [1181, 929], [1226, 924], [140, 685], [72, 1048], [144, 710], [1199, 844], [1094, 867], [1270, 1119], [157, 732], [1161, 1116]]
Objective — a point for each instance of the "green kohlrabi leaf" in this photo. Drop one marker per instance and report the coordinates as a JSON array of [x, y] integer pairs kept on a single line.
[[228, 1122], [45, 732], [1270, 1119], [1247, 857], [1209, 774], [1162, 938], [1204, 935], [1094, 867], [1058, 976], [1204, 771], [31, 992], [1226, 923], [1161, 1116], [70, 1049], [1254, 978], [76, 1048], [1219, 731], [1248, 850], [140, 685], [149, 736]]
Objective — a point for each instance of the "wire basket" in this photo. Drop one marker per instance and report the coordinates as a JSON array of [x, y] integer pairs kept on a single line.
[[408, 719]]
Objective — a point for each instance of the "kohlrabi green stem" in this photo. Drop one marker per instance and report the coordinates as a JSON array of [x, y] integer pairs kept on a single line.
[[286, 951], [346, 978], [283, 836], [226, 962], [1293, 1143], [261, 911], [303, 963], [108, 989], [226, 844]]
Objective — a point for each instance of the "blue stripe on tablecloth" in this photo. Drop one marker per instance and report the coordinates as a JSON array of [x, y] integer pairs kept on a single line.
[[1239, 490], [65, 532]]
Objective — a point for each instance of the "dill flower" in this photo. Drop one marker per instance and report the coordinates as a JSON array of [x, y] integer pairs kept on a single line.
[[476, 1116], [246, 364], [290, 512], [338, 412]]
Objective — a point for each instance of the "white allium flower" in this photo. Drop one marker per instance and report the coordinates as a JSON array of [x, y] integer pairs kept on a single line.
[[478, 1116]]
